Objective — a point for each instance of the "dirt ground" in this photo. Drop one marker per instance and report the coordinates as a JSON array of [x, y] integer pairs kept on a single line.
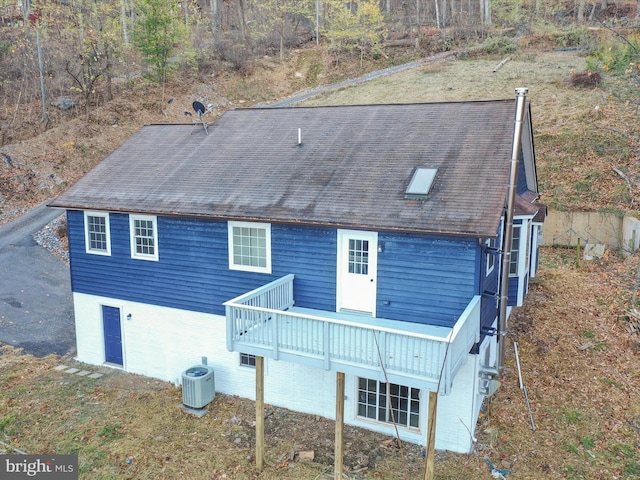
[[304, 433], [585, 138], [578, 346], [578, 353]]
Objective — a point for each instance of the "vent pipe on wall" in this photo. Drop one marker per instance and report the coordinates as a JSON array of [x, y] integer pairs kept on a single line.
[[507, 234]]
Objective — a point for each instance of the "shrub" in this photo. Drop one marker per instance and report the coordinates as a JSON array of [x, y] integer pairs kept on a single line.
[[501, 45], [237, 55], [616, 55], [585, 79], [575, 37]]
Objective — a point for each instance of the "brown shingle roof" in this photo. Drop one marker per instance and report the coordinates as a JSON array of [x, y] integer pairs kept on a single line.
[[352, 169], [526, 204]]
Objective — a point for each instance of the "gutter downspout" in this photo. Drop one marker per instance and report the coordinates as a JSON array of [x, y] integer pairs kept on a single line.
[[507, 236]]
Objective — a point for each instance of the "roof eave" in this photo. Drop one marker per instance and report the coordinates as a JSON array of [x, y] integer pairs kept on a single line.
[[225, 218]]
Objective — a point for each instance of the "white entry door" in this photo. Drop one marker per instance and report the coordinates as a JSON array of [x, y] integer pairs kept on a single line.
[[357, 271]]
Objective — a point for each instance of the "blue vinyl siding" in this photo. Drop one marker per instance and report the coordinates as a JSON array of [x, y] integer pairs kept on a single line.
[[193, 268], [420, 279], [181, 278], [425, 279], [514, 284], [521, 186], [490, 293], [490, 290], [310, 254]]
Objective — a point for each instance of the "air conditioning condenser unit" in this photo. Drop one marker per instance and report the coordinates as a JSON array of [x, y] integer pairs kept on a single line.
[[198, 386]]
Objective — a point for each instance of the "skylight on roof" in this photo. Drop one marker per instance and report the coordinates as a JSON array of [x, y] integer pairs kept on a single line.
[[421, 182]]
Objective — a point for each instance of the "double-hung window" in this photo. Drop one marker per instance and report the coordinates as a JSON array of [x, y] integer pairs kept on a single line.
[[515, 250], [250, 246], [144, 237], [389, 403], [96, 233]]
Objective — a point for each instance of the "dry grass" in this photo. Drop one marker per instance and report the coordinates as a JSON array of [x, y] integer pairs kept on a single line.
[[578, 360], [125, 425], [580, 367], [578, 363], [581, 134]]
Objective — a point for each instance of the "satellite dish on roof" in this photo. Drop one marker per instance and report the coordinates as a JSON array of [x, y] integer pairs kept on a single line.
[[199, 107], [201, 110]]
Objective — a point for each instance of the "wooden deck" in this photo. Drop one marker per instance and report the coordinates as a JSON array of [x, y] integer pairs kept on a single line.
[[265, 322]]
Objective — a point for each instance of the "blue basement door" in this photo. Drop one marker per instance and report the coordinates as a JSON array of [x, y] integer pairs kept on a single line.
[[112, 335]]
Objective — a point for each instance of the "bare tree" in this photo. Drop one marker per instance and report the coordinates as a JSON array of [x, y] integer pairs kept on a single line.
[[35, 20], [242, 19], [125, 13], [580, 11], [97, 30], [87, 70], [280, 16]]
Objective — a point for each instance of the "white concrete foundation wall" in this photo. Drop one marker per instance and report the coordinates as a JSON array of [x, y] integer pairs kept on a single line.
[[89, 334], [488, 357], [455, 421], [455, 418], [162, 342]]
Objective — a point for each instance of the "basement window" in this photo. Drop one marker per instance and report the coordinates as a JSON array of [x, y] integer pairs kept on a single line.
[[389, 403], [247, 360]]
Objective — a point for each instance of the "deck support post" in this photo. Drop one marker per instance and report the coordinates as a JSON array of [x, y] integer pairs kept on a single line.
[[430, 466], [259, 413], [339, 447]]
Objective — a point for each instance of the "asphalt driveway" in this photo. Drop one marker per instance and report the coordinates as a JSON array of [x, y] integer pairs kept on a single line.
[[36, 309]]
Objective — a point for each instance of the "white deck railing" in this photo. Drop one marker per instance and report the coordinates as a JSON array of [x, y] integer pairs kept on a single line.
[[259, 323]]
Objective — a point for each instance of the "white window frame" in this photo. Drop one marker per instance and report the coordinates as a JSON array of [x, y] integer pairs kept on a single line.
[[250, 268], [247, 360], [380, 405], [517, 250], [132, 237], [490, 256], [527, 245], [87, 233]]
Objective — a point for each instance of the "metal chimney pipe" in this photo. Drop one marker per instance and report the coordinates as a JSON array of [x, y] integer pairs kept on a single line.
[[507, 234]]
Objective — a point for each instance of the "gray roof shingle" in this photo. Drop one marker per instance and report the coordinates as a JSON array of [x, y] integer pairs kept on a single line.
[[351, 170]]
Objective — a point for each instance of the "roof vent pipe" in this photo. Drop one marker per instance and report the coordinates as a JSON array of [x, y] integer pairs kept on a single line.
[[507, 234], [299, 137]]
